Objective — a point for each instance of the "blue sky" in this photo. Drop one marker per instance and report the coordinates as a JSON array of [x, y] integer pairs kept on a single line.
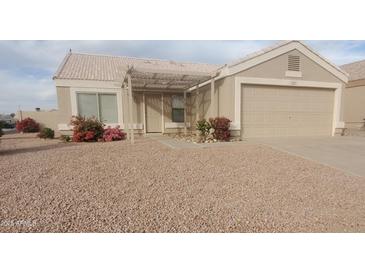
[[26, 67]]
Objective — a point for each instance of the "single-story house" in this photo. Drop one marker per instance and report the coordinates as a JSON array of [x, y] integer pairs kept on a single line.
[[354, 96], [284, 90]]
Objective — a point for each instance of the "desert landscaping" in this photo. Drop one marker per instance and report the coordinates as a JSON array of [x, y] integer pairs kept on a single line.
[[51, 186]]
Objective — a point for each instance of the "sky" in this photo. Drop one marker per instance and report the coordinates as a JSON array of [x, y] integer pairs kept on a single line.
[[27, 67]]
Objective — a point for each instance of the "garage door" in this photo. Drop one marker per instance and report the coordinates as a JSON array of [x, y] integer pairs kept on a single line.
[[286, 111]]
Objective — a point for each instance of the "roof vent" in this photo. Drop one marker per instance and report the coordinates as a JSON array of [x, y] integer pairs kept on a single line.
[[293, 63]]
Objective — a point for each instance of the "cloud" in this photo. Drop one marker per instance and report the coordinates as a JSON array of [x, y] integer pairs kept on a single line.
[[27, 67], [25, 91], [340, 52]]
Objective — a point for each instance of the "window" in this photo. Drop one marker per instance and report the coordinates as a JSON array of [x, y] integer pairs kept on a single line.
[[104, 107], [177, 109]]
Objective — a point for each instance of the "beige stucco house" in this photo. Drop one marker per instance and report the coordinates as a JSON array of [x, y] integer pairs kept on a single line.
[[354, 96], [284, 90]]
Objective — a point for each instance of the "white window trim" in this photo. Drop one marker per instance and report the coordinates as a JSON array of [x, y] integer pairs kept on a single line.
[[118, 91], [239, 81]]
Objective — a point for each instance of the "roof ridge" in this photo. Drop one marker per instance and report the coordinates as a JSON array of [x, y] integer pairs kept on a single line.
[[144, 58]]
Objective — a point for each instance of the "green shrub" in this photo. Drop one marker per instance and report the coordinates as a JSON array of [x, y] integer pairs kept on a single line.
[[46, 133], [203, 126], [1, 131], [65, 138], [86, 129]]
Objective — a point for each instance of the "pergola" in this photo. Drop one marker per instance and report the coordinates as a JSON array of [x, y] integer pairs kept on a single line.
[[148, 78]]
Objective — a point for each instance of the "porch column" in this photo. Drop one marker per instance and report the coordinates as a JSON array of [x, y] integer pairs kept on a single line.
[[126, 120], [185, 112], [197, 95], [130, 108], [212, 99]]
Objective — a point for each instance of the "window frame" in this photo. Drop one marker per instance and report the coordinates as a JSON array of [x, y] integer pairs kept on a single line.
[[98, 94], [172, 108]]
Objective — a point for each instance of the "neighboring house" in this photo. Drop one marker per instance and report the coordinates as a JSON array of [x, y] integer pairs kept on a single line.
[[285, 90], [354, 99]]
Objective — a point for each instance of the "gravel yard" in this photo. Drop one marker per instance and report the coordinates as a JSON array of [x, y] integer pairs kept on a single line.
[[48, 186]]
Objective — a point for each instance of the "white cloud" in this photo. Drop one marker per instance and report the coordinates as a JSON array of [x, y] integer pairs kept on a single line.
[[26, 91]]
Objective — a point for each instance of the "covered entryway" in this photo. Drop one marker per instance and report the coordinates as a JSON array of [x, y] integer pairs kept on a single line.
[[153, 113], [269, 111]]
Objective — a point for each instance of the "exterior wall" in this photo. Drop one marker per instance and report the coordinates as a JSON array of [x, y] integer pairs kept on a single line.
[[354, 106], [139, 111], [276, 68], [44, 118], [64, 104], [272, 69], [167, 112]]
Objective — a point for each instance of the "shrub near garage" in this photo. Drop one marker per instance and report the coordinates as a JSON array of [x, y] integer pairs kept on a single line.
[[27, 125], [221, 128], [86, 129]]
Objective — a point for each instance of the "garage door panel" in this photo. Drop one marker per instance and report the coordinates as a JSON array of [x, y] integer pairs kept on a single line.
[[286, 111]]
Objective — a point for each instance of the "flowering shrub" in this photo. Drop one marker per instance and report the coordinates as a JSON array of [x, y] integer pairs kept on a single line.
[[46, 133], [113, 134], [27, 125], [86, 129], [221, 128]]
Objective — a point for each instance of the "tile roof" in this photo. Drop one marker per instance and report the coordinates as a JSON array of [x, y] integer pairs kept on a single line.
[[79, 66], [356, 70]]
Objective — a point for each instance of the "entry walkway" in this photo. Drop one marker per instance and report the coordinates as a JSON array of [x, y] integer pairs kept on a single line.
[[180, 144]]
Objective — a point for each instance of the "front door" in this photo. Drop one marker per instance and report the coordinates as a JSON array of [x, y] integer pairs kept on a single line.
[[153, 112]]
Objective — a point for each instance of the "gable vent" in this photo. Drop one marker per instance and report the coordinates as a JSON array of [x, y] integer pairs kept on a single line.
[[293, 63]]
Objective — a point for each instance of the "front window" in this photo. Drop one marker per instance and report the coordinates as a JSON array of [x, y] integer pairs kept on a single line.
[[101, 106], [177, 109]]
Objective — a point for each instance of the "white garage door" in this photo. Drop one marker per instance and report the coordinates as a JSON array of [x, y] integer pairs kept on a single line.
[[286, 111]]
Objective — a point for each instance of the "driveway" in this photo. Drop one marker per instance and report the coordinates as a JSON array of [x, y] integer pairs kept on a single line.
[[344, 153]]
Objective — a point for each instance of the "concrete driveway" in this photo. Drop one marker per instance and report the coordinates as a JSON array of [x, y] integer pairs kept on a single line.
[[345, 153]]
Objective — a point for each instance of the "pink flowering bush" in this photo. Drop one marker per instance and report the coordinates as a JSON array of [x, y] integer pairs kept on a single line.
[[113, 134]]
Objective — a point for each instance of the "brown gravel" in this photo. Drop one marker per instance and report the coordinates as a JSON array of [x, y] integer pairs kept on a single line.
[[48, 186]]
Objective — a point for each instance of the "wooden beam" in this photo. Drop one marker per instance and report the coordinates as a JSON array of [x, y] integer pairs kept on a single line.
[[212, 99], [144, 114], [185, 112], [130, 108], [162, 116], [126, 121], [197, 95]]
